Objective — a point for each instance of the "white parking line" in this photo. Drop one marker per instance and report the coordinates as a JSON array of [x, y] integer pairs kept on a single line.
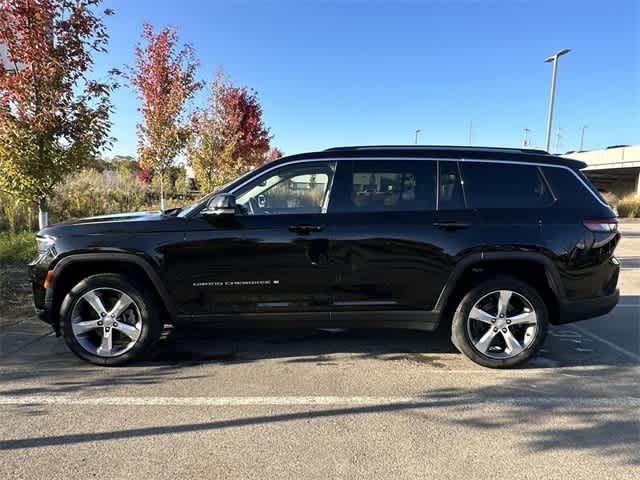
[[609, 344], [293, 401]]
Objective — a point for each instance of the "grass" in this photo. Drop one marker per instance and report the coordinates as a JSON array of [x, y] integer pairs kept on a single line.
[[17, 247], [629, 206]]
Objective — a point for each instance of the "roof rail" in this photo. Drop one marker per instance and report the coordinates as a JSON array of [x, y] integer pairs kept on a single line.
[[438, 147]]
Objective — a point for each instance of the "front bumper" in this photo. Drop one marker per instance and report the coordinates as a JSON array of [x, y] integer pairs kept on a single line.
[[42, 297], [44, 316], [572, 311]]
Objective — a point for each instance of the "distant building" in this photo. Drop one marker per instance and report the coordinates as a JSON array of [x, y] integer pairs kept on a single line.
[[5, 61], [615, 169], [4, 57]]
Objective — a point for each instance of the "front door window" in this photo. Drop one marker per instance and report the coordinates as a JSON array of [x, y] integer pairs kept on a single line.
[[293, 189]]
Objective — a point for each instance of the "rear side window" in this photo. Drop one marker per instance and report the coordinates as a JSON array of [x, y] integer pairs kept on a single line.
[[591, 186], [568, 189], [504, 185], [396, 185]]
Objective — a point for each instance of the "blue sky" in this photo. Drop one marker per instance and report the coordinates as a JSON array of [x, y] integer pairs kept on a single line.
[[355, 72]]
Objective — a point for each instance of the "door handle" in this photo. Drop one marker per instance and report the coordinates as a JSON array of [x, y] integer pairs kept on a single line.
[[305, 229], [451, 225]]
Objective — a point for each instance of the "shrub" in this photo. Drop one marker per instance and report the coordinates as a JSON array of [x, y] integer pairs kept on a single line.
[[17, 215], [629, 206], [17, 247], [611, 198], [92, 193], [88, 193]]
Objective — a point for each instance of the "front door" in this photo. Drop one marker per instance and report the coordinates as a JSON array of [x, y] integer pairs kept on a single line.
[[271, 257]]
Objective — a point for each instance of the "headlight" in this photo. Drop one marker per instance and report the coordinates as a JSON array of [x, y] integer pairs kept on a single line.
[[46, 245]]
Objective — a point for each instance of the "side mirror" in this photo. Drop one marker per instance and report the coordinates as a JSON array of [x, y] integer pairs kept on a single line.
[[221, 204]]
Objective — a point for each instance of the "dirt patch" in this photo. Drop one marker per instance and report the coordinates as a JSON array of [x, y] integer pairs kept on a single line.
[[16, 302]]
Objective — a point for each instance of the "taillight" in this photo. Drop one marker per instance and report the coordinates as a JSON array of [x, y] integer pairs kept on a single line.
[[601, 224]]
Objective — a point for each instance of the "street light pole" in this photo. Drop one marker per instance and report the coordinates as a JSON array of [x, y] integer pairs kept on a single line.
[[417, 132], [552, 96], [582, 137]]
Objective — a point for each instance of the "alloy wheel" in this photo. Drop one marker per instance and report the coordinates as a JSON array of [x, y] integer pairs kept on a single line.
[[106, 322], [502, 324]]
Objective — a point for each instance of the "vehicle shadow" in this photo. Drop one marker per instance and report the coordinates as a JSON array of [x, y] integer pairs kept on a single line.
[[201, 344], [564, 347], [629, 262], [49, 359], [630, 234], [47, 367]]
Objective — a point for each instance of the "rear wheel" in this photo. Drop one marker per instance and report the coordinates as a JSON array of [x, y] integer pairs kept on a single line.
[[500, 323], [107, 320]]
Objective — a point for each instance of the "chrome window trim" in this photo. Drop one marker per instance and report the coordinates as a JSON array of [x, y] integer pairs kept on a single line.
[[511, 162]]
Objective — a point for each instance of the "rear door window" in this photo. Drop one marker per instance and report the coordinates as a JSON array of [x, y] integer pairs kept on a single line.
[[393, 185], [504, 185]]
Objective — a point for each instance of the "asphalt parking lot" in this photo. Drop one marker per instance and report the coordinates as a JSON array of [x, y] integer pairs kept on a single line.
[[315, 404]]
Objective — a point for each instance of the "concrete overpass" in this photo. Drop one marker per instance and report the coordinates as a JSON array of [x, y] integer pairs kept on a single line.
[[614, 169]]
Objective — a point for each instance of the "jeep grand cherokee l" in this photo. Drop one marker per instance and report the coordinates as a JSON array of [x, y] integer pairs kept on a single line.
[[493, 244]]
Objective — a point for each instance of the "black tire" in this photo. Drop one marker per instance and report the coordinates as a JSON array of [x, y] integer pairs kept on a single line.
[[459, 331], [147, 306]]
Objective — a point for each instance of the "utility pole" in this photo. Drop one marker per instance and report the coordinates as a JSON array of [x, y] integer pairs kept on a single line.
[[582, 137], [470, 130], [525, 137], [417, 132], [552, 96]]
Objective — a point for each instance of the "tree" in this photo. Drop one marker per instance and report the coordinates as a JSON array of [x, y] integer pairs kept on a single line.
[[165, 80], [53, 118], [274, 154], [228, 136], [125, 165]]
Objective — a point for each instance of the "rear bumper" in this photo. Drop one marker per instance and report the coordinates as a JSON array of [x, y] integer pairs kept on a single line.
[[587, 308]]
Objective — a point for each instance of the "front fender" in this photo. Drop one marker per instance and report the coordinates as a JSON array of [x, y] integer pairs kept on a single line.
[[73, 260]]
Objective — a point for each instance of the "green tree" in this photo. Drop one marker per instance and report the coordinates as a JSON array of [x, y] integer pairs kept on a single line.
[[53, 118], [164, 78]]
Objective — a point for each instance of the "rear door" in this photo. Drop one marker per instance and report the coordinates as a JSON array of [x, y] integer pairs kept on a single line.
[[391, 246]]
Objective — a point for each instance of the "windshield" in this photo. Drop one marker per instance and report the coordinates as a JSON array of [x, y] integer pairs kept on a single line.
[[205, 199]]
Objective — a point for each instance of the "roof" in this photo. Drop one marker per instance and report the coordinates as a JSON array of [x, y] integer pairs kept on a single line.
[[439, 151]]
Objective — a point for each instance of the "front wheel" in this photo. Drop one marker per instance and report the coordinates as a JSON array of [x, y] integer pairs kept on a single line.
[[107, 320], [500, 323]]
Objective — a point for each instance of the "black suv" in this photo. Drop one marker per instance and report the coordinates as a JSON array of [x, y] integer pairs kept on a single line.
[[492, 243]]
